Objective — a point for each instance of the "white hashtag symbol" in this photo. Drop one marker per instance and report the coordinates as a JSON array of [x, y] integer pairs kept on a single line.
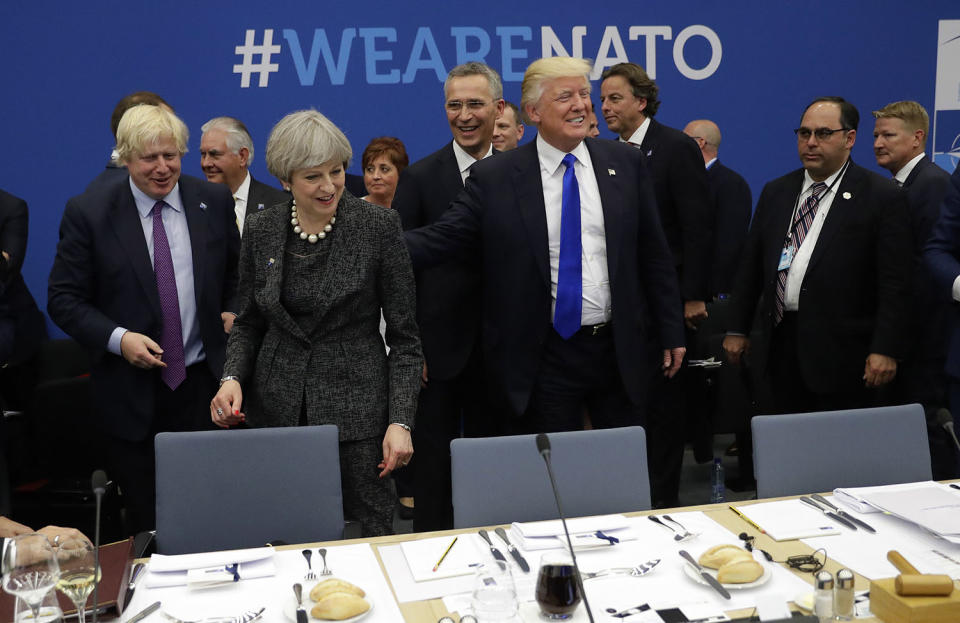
[[264, 67]]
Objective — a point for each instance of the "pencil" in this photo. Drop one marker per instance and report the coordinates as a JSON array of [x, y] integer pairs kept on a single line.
[[447, 551], [747, 519]]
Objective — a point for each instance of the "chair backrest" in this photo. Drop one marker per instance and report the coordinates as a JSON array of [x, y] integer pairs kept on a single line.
[[812, 452], [242, 488], [502, 479]]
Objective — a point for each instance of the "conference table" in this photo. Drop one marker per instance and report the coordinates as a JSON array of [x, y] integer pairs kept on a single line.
[[431, 610]]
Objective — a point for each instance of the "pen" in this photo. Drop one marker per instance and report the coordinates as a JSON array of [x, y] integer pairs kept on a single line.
[[447, 551], [747, 519]]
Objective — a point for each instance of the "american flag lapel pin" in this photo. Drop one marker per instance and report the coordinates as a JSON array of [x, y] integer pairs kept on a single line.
[[203, 206], [611, 171]]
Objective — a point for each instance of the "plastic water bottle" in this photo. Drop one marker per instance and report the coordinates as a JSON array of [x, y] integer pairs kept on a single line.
[[717, 491]]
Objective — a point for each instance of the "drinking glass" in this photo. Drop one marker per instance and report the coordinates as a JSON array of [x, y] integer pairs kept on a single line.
[[30, 569], [494, 594], [558, 591], [78, 574], [50, 611]]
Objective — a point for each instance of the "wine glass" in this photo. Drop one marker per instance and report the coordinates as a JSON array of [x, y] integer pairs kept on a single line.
[[30, 569], [78, 574]]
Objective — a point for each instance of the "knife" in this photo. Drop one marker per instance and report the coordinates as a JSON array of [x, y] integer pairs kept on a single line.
[[493, 550], [144, 613], [513, 550], [828, 513], [132, 586], [712, 581], [301, 613], [843, 513]]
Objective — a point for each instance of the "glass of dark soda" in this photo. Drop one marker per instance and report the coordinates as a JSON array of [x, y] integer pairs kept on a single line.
[[558, 591]]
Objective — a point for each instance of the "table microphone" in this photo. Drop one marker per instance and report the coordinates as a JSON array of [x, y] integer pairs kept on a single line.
[[99, 484], [543, 446], [945, 421]]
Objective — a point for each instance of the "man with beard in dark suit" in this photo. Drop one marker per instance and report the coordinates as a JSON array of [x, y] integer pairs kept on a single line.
[[448, 295], [829, 253], [226, 151], [145, 278]]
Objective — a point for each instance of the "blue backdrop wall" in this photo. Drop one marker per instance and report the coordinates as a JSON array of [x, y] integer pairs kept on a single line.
[[376, 68]]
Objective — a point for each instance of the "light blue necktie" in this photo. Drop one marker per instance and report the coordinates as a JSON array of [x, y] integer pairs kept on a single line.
[[566, 317]]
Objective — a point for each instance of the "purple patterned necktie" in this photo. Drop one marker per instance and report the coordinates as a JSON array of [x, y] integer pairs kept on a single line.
[[171, 335], [798, 230]]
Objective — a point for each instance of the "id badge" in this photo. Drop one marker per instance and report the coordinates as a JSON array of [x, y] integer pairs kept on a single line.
[[786, 257]]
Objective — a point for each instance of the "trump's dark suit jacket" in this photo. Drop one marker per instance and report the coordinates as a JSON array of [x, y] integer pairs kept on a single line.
[[339, 367], [680, 186], [853, 300], [501, 216], [102, 278], [448, 295]]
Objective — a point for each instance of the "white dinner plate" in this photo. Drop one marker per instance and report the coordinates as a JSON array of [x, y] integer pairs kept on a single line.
[[290, 607], [696, 577]]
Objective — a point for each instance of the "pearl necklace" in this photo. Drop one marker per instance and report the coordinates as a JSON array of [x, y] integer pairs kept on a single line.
[[311, 238]]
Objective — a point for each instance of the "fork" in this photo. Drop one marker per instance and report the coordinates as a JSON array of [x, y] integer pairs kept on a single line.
[[686, 533], [310, 574], [323, 555], [657, 520], [244, 617], [641, 569]]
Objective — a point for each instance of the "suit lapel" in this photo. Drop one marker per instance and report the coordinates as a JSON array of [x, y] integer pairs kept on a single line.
[[270, 254], [196, 213], [528, 186], [340, 261], [844, 203], [649, 143], [612, 203], [452, 182], [915, 172], [129, 231]]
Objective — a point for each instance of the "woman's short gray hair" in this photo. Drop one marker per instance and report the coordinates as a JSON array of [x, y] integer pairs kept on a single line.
[[305, 139]]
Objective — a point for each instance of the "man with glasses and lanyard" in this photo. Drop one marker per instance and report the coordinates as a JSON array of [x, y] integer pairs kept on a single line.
[[828, 257]]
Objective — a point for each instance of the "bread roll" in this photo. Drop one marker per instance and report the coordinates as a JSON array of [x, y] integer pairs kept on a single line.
[[339, 606], [740, 572], [334, 585], [720, 555]]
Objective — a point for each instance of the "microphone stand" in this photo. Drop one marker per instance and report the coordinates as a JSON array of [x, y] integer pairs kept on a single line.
[[99, 485]]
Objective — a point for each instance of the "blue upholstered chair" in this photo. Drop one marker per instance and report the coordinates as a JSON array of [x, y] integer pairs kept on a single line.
[[813, 452], [498, 480], [242, 488]]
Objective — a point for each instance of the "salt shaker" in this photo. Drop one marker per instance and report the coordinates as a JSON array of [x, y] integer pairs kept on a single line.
[[843, 596], [823, 599]]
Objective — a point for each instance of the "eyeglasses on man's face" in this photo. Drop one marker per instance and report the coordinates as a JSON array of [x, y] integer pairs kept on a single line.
[[822, 134]]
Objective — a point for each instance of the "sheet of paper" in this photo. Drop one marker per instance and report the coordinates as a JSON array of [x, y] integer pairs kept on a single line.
[[932, 506], [422, 556], [853, 497], [786, 520]]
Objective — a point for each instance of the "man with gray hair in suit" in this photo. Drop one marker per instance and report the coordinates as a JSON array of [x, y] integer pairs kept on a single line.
[[226, 152]]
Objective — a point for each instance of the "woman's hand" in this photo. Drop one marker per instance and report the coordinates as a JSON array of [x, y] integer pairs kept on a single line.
[[225, 406], [64, 537], [397, 449]]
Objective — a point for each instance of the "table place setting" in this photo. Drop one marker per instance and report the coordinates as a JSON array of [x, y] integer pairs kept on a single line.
[[356, 564]]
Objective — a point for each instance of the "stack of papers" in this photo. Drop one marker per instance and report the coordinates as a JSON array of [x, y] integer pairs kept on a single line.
[[786, 520], [585, 532], [931, 506]]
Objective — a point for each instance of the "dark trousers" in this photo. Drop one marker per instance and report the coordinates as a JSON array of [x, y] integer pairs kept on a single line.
[[132, 463], [665, 436], [579, 374], [447, 409], [790, 393]]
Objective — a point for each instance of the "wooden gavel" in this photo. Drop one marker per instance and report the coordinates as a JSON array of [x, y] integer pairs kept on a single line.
[[912, 582]]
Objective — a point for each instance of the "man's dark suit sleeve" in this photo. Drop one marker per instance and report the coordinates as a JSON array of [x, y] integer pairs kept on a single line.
[[73, 283], [748, 284], [407, 201], [688, 183], [734, 203], [13, 233], [942, 252], [895, 257]]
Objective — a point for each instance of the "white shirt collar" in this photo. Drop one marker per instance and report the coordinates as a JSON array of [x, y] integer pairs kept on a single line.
[[639, 134], [905, 171], [465, 160], [243, 191], [145, 203], [551, 158], [710, 164], [808, 181]]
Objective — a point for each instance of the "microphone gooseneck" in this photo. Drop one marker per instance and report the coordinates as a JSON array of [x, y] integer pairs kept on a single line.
[[543, 446], [98, 482]]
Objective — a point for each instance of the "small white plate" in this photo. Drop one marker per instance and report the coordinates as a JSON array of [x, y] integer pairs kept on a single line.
[[290, 607], [696, 577]]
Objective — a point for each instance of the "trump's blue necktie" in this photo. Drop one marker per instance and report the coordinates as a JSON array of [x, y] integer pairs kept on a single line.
[[566, 316]]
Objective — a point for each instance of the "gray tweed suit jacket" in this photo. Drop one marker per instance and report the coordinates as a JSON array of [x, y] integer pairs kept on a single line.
[[340, 368]]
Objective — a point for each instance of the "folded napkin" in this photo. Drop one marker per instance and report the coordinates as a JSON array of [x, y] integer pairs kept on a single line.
[[179, 570], [599, 531]]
